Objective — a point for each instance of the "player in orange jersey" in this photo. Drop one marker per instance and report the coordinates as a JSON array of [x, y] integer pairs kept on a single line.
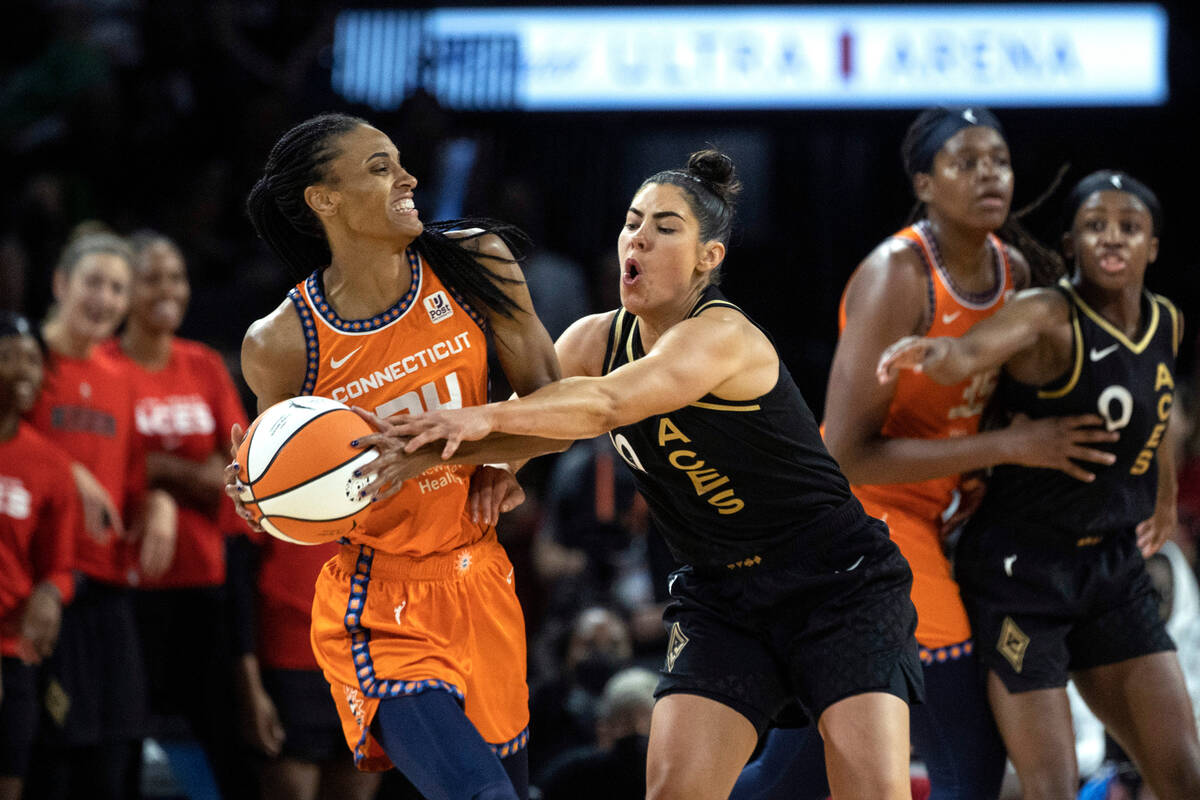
[[905, 445], [415, 623]]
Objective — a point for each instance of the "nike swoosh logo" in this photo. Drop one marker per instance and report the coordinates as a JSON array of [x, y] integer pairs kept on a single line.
[[334, 363], [948, 318], [1099, 354]]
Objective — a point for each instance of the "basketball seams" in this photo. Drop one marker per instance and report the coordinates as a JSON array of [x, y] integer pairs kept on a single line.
[[279, 448]]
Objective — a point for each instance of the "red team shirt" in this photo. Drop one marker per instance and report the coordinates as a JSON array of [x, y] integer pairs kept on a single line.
[[39, 518], [186, 409], [86, 408]]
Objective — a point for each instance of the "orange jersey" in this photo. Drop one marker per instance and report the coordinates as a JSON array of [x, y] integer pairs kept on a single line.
[[923, 409], [427, 351]]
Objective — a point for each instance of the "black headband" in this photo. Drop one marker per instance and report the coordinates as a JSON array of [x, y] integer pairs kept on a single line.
[[951, 121], [13, 324], [1107, 180]]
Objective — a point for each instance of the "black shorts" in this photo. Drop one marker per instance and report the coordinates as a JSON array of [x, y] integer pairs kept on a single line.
[[18, 716], [312, 728], [93, 688], [831, 624], [1044, 603]]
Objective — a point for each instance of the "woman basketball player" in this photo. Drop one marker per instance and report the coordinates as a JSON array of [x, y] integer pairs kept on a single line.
[[905, 445], [39, 515], [415, 623], [790, 591], [1050, 566]]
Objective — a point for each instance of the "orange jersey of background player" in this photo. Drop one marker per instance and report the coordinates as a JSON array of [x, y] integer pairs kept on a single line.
[[427, 351], [923, 409]]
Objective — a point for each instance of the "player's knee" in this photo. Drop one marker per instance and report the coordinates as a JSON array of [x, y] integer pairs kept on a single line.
[[500, 790]]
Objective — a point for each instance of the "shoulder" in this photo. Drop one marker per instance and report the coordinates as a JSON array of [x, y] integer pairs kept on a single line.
[[42, 452], [1047, 303], [581, 346], [1018, 263], [484, 244], [275, 354], [892, 279], [1175, 315]]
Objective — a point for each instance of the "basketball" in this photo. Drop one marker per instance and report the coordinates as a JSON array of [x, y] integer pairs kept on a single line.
[[296, 469]]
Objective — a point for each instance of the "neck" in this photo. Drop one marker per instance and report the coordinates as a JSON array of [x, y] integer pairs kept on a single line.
[[61, 340], [654, 323], [366, 276], [151, 349], [9, 421], [1122, 307], [963, 250]]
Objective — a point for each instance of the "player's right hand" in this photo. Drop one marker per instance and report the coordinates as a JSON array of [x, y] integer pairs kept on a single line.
[[917, 353], [233, 484], [1058, 442], [99, 511]]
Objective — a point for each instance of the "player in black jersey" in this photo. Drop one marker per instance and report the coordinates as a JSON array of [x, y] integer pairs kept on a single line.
[[1051, 568], [790, 591]]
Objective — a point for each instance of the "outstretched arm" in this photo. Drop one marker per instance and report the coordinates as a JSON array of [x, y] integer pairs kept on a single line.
[[1014, 331]]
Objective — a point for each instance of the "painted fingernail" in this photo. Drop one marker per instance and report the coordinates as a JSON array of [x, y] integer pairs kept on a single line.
[[354, 443], [358, 473]]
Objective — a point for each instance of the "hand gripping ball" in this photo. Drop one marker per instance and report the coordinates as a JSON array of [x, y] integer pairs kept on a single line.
[[296, 470]]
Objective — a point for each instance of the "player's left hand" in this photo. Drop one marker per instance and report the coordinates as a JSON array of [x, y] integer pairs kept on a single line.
[[158, 535], [453, 425], [40, 623], [494, 491], [1153, 533]]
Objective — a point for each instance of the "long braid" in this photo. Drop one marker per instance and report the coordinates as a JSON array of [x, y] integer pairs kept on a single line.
[[280, 215]]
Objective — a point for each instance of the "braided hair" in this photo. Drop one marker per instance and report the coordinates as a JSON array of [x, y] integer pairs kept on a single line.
[[283, 219]]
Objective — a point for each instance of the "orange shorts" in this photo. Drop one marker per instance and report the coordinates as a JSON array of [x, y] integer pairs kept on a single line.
[[388, 626], [941, 617]]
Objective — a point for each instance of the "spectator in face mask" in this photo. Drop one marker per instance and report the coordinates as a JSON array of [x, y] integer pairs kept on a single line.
[[614, 768], [564, 709]]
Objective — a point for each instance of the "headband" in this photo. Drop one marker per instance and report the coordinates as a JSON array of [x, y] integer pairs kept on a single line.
[[950, 122], [1107, 180]]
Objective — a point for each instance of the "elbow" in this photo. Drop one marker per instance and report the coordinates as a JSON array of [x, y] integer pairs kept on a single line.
[[846, 456]]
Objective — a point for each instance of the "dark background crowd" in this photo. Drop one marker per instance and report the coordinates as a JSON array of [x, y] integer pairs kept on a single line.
[[160, 113]]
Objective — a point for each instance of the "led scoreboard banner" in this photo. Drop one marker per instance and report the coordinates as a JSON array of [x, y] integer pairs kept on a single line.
[[755, 57]]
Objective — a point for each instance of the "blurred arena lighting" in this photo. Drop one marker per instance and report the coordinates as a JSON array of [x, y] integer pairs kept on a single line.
[[755, 57]]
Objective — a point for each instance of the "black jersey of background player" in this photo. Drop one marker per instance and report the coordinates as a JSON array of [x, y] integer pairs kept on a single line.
[[728, 481], [1131, 384]]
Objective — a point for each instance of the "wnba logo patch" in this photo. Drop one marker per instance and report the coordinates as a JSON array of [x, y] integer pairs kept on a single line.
[[675, 645], [438, 306], [1013, 644]]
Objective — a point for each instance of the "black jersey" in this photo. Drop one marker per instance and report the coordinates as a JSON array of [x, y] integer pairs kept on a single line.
[[1130, 384], [728, 481]]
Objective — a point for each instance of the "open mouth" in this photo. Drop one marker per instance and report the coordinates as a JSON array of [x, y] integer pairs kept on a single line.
[[1112, 263], [404, 206], [631, 272]]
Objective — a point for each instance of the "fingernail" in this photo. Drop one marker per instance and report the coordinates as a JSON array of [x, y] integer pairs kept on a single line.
[[358, 473], [354, 444], [236, 466]]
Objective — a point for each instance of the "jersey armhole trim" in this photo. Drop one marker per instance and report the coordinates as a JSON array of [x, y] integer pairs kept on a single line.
[[1077, 344], [311, 346]]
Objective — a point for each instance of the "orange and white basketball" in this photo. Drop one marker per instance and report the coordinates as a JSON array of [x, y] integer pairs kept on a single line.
[[296, 469]]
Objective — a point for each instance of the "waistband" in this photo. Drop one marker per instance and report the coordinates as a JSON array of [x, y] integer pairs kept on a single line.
[[452, 565], [820, 535]]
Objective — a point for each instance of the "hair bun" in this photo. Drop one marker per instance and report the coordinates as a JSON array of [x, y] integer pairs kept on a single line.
[[716, 170]]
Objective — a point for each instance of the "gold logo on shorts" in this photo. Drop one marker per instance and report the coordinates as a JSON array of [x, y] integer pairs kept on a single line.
[[58, 702], [1013, 644], [675, 645]]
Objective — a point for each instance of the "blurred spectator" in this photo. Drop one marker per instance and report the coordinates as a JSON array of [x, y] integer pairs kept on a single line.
[[563, 706], [614, 768]]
